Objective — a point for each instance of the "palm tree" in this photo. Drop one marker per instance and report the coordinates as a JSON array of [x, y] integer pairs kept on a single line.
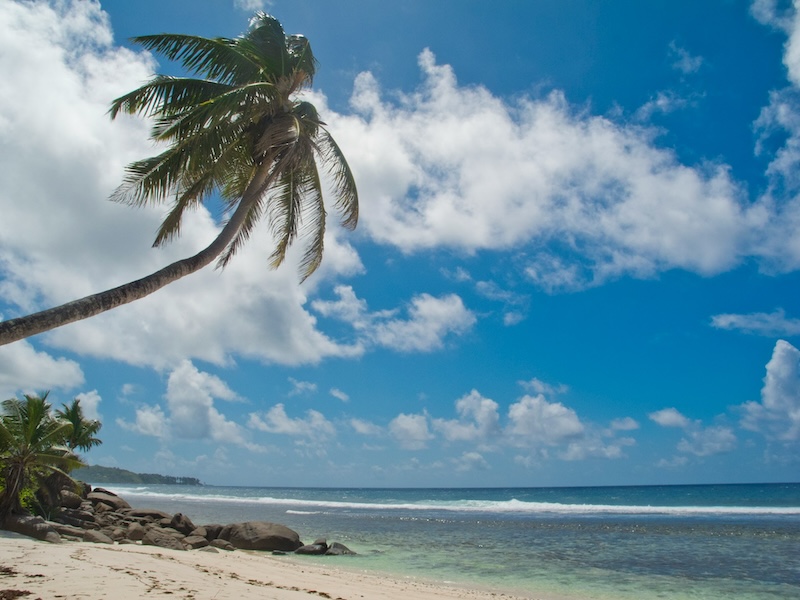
[[30, 448], [238, 129], [81, 437]]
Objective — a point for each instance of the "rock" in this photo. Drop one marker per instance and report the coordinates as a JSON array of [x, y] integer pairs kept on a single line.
[[195, 541], [64, 529], [182, 523], [261, 535], [149, 514], [213, 531], [135, 532], [78, 518], [165, 522], [211, 549], [199, 531], [222, 545], [96, 537], [70, 499], [35, 527], [101, 508], [155, 537], [173, 532], [312, 549], [106, 497], [337, 549]]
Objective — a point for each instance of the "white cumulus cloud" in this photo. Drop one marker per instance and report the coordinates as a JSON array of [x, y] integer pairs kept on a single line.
[[598, 198], [24, 369], [429, 321], [771, 324], [777, 416], [411, 431], [533, 421], [479, 419], [276, 420]]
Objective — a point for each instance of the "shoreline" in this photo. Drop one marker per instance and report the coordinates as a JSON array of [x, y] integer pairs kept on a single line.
[[131, 571]]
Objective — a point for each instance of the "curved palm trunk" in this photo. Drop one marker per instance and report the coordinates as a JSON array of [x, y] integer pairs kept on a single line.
[[23, 327]]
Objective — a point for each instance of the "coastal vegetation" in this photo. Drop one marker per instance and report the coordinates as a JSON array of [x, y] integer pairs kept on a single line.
[[236, 130], [98, 474], [37, 449]]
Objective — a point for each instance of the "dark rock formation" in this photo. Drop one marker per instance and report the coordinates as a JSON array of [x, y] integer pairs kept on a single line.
[[105, 497], [96, 537], [156, 537], [312, 549], [182, 523], [35, 527], [261, 535], [102, 517], [337, 549]]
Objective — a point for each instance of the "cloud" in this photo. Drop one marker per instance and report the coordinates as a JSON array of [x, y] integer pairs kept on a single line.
[[664, 103], [363, 427], [669, 417], [150, 420], [596, 447], [275, 420], [24, 369], [90, 404], [191, 415], [587, 198], [411, 431], [252, 5], [624, 424], [786, 19], [537, 386], [767, 324], [533, 421], [777, 416], [478, 420], [515, 305], [430, 320], [339, 395], [301, 387], [699, 440], [708, 441], [190, 398], [683, 61], [471, 461]]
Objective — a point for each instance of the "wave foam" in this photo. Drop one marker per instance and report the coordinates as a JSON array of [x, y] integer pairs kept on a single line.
[[512, 506]]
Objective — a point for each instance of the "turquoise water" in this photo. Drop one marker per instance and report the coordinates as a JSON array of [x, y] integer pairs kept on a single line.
[[700, 542]]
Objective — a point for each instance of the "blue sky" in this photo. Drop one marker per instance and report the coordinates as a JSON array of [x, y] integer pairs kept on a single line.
[[577, 261]]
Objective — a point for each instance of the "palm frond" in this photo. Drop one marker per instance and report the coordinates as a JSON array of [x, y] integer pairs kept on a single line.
[[344, 183], [313, 223], [167, 95], [229, 110], [252, 217], [152, 180], [215, 58]]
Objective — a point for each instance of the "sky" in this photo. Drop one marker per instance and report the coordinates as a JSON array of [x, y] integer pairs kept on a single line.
[[577, 260]]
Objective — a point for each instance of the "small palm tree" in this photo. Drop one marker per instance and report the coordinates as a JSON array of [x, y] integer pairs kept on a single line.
[[238, 129], [30, 448], [81, 436]]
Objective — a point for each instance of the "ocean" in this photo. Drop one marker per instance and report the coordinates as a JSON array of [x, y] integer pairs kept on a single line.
[[709, 542]]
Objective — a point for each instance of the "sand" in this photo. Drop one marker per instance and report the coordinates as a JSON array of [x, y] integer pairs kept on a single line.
[[96, 571]]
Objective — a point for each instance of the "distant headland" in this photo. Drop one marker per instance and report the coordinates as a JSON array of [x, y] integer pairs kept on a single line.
[[97, 474]]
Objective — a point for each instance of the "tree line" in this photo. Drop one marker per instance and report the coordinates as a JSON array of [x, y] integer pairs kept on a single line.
[[98, 474]]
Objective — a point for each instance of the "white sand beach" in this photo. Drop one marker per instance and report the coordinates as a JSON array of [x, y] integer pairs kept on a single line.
[[74, 570]]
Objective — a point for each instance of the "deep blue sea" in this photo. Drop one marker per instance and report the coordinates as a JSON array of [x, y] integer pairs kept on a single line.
[[600, 543]]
